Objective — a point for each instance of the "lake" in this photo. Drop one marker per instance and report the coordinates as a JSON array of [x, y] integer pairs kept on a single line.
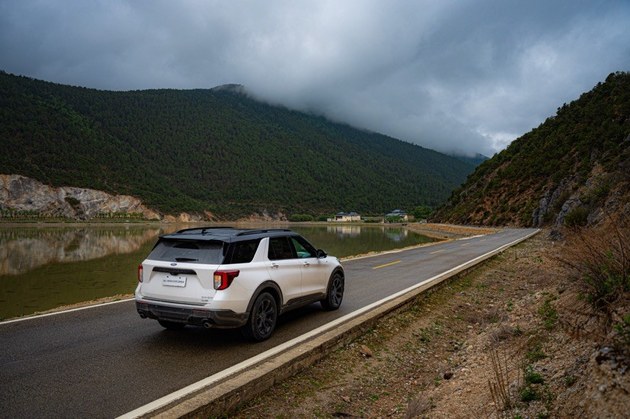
[[44, 267]]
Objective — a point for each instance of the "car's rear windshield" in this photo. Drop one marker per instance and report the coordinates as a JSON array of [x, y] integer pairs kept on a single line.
[[191, 251]]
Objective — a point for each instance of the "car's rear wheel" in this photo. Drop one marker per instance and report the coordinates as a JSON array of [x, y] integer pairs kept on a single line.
[[334, 295], [262, 319], [171, 325]]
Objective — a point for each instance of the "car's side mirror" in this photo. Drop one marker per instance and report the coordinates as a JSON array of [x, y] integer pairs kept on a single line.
[[321, 254]]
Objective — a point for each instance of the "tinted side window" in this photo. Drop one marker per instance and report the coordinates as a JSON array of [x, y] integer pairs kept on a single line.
[[188, 251], [243, 252], [303, 248], [280, 248]]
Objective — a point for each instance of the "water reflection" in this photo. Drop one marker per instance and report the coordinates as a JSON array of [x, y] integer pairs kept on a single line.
[[393, 233], [397, 235], [47, 267], [351, 240], [343, 231], [24, 250]]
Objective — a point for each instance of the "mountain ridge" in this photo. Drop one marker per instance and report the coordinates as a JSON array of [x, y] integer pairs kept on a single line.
[[214, 150]]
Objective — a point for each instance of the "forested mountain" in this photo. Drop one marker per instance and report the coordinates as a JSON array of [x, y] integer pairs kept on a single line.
[[573, 169], [214, 150], [475, 160]]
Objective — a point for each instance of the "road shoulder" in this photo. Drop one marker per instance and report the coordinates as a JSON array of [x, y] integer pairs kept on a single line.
[[441, 356]]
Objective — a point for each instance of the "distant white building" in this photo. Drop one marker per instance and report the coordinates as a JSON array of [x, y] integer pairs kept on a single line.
[[398, 214], [345, 217]]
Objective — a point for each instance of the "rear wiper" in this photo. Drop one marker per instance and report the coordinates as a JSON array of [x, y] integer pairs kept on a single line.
[[186, 260]]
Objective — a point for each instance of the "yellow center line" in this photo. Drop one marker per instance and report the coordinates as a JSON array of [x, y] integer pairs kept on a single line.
[[387, 264], [437, 251]]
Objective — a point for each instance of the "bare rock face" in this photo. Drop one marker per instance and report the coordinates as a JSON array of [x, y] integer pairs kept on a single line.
[[265, 216], [183, 217], [25, 194], [550, 199]]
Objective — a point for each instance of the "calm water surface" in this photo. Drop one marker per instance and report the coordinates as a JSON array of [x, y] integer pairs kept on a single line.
[[44, 267]]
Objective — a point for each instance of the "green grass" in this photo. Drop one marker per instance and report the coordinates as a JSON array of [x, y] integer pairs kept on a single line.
[[548, 313]]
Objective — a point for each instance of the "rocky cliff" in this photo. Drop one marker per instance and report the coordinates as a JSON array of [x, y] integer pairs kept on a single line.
[[572, 170], [20, 193]]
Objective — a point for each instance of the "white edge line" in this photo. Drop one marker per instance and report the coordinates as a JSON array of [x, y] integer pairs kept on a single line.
[[222, 375], [471, 237], [39, 316]]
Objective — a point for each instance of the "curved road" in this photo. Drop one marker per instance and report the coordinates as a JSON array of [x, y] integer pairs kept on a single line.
[[105, 361]]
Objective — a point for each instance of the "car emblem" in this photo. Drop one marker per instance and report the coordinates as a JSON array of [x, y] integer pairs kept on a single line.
[[173, 264]]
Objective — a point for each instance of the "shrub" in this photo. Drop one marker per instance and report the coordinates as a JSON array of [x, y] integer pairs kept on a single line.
[[577, 217], [422, 212], [623, 332], [532, 377], [548, 313], [535, 353], [529, 394], [300, 217], [373, 220], [598, 262], [499, 386]]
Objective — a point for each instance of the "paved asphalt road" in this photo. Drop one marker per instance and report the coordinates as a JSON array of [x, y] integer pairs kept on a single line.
[[105, 361]]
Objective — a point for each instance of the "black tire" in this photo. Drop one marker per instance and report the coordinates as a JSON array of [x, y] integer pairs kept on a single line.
[[262, 319], [171, 325], [334, 293]]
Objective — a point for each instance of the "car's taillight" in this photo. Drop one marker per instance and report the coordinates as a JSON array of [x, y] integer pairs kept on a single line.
[[223, 279], [140, 273]]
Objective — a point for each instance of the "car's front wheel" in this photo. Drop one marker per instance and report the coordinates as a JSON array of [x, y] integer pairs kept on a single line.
[[262, 319], [334, 294]]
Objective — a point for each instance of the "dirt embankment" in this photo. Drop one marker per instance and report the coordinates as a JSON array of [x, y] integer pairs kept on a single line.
[[505, 340]]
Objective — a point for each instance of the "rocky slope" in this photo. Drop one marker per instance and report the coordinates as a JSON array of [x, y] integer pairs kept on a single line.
[[574, 169], [23, 194]]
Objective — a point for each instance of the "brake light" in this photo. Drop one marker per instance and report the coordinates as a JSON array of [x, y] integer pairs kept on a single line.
[[223, 279], [140, 270]]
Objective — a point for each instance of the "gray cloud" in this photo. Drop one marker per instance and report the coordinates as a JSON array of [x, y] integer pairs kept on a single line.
[[452, 75]]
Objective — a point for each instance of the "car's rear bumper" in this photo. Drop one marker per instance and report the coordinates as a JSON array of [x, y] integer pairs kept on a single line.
[[197, 316]]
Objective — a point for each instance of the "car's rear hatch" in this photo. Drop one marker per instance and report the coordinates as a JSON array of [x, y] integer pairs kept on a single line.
[[181, 271]]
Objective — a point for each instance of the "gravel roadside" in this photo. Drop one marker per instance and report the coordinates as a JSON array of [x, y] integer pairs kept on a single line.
[[496, 342]]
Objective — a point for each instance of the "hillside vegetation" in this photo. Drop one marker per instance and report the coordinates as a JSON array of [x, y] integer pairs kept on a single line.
[[574, 169], [215, 150]]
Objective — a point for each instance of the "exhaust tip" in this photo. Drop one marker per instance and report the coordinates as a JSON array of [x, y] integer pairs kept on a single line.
[[207, 324]]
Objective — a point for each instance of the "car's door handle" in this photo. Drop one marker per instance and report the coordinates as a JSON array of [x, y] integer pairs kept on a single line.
[[307, 264], [274, 265]]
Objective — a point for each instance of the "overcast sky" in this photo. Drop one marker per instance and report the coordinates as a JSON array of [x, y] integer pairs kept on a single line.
[[455, 76]]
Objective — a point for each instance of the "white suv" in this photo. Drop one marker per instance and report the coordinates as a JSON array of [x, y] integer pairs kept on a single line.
[[221, 277]]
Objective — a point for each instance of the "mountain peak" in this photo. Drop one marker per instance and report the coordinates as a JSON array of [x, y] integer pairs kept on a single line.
[[230, 88]]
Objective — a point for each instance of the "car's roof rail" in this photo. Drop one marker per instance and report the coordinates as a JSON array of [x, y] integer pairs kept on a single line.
[[268, 230], [203, 229]]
